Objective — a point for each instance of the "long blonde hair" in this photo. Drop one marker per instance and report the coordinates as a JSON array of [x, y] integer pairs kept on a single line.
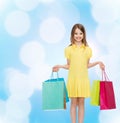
[[81, 27]]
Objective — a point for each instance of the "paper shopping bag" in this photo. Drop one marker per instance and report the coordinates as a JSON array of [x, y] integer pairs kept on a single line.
[[107, 97], [95, 93], [54, 94]]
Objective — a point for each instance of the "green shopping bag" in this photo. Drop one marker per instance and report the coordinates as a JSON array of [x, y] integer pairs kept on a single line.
[[95, 93], [54, 94]]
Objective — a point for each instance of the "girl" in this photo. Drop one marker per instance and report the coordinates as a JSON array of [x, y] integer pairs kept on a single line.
[[78, 55]]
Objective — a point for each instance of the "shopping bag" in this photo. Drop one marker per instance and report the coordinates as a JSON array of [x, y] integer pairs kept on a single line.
[[54, 94], [95, 93], [107, 97]]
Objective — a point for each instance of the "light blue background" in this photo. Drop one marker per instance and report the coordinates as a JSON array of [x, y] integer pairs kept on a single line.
[[102, 22]]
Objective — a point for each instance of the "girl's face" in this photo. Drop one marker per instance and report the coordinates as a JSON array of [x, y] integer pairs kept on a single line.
[[78, 35]]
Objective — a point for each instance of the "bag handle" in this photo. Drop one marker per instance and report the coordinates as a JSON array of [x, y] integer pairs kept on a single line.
[[104, 76], [52, 75]]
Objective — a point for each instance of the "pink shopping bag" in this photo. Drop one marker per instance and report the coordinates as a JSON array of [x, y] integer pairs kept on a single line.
[[107, 97]]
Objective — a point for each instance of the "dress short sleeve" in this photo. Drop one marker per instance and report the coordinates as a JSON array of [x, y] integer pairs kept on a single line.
[[67, 52], [89, 52]]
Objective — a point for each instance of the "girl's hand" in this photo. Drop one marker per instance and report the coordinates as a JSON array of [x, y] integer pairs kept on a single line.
[[102, 66], [56, 68]]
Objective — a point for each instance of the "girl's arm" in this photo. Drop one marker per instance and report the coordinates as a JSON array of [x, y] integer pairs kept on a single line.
[[101, 65], [57, 67]]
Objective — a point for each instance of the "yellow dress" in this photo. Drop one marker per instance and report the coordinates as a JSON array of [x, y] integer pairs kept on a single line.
[[78, 84]]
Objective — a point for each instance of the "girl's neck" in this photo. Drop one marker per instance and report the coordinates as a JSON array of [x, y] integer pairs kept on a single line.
[[78, 43]]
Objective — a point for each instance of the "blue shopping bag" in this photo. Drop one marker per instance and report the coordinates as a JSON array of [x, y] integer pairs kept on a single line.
[[54, 94]]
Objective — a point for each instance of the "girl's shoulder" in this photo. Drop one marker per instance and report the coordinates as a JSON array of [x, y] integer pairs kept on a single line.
[[68, 49], [88, 49]]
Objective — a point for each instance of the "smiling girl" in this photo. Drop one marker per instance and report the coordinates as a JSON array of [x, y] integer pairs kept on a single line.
[[78, 55]]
